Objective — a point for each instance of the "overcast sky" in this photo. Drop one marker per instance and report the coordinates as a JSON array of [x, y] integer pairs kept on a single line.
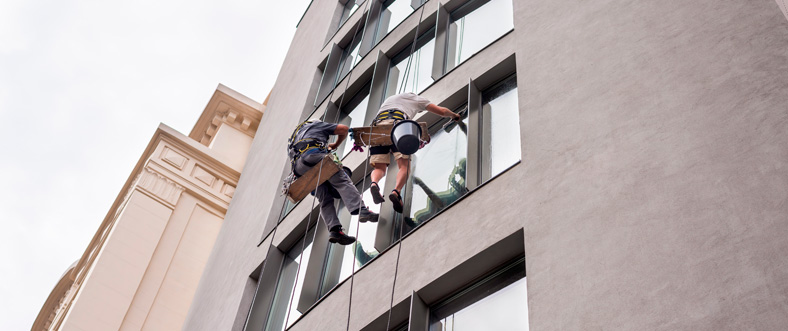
[[83, 86]]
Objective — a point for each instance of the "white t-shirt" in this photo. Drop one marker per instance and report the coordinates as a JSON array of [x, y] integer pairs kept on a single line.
[[409, 103]]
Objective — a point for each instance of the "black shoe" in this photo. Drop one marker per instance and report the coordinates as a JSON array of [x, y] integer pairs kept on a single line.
[[396, 201], [375, 190], [367, 216], [340, 237]]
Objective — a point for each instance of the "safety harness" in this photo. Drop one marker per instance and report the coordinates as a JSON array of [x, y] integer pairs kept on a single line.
[[394, 114], [297, 148]]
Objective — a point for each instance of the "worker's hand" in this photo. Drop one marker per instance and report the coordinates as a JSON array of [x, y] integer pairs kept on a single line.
[[333, 146], [456, 117]]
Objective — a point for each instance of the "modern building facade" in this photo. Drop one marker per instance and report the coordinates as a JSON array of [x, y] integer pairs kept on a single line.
[[623, 165], [143, 265]]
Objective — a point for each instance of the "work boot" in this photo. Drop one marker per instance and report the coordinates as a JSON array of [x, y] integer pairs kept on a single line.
[[337, 236], [367, 216]]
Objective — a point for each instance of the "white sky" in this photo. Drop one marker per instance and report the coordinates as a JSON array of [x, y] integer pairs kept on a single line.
[[83, 86]]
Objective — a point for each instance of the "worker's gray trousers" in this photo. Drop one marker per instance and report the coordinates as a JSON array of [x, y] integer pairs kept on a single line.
[[341, 183]]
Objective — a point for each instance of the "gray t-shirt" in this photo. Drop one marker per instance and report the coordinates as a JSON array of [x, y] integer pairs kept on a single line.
[[409, 103], [317, 130]]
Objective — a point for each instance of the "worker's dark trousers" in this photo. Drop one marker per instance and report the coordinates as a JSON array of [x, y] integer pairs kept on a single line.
[[339, 181]]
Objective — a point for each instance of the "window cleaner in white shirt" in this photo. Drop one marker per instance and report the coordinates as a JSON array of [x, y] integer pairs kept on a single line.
[[394, 109]]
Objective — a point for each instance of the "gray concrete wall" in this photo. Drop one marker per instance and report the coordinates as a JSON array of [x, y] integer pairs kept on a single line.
[[652, 188], [654, 138]]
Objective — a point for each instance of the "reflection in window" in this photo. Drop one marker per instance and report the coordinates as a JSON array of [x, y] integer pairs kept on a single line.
[[470, 32], [339, 263], [498, 302], [420, 73], [283, 301], [350, 7], [438, 174], [500, 107], [391, 15]]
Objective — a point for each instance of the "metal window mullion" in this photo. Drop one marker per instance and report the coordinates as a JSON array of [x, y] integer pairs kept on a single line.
[[264, 295], [419, 314], [441, 41], [377, 90], [327, 82], [473, 169], [310, 290], [385, 234], [369, 36]]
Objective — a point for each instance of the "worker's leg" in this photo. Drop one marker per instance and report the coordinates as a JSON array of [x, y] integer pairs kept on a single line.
[[351, 197], [327, 210], [329, 215], [379, 159], [403, 165]]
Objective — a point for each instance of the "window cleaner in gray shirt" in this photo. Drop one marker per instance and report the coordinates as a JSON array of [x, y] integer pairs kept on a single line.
[[394, 109], [308, 145]]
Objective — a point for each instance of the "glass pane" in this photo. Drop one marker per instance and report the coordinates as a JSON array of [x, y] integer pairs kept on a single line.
[[391, 15], [474, 31], [289, 206], [438, 174], [350, 57], [506, 309], [420, 73], [500, 106], [349, 9], [354, 118], [285, 299], [339, 263]]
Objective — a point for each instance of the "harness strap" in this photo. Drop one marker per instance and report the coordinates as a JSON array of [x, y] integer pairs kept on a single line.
[[394, 114]]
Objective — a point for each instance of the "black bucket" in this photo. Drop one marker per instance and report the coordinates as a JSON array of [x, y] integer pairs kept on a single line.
[[406, 136]]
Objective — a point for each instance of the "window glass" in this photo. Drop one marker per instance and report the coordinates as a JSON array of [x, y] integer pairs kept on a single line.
[[438, 173], [339, 263], [391, 15], [470, 33], [420, 73], [500, 107], [498, 302], [350, 7], [353, 118], [285, 298], [350, 56], [288, 207]]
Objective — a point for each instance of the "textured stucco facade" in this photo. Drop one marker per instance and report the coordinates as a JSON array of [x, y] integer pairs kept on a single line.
[[652, 189]]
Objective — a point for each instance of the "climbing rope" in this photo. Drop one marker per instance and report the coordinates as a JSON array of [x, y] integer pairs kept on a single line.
[[402, 225], [363, 185], [317, 184]]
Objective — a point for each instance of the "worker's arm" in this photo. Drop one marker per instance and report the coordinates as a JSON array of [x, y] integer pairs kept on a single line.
[[341, 132], [442, 111]]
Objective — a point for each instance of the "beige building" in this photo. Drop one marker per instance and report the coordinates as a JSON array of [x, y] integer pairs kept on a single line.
[[142, 267]]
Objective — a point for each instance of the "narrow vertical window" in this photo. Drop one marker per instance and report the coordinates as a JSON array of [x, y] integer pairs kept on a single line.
[[501, 119], [474, 26], [391, 15], [350, 56], [285, 297], [349, 8], [353, 114], [340, 259], [439, 171], [497, 302], [420, 72]]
